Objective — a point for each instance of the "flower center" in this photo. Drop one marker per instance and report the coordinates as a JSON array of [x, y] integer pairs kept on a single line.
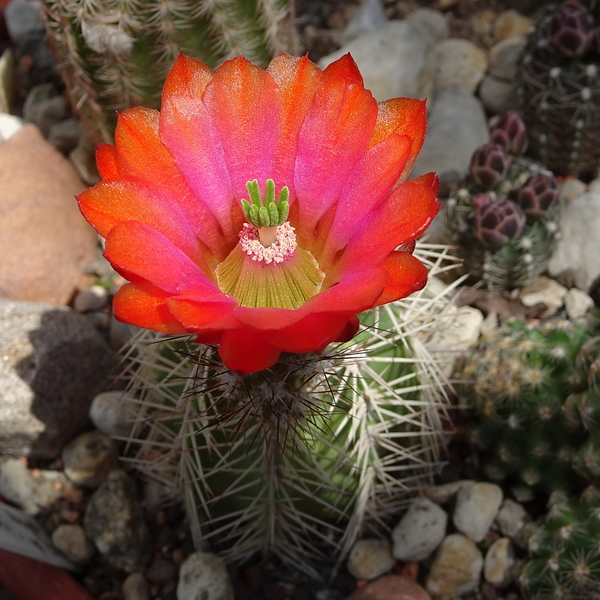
[[267, 268]]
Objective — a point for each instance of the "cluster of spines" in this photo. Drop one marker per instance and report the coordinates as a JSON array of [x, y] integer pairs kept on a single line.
[[564, 549], [532, 392], [115, 55], [300, 460]]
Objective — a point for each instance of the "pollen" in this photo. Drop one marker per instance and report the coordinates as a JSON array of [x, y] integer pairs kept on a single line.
[[254, 244]]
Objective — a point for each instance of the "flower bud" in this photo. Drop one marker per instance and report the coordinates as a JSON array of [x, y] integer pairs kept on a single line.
[[538, 195], [570, 29], [489, 165], [509, 132], [496, 222]]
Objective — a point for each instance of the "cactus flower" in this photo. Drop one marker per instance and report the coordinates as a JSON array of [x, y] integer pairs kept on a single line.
[[262, 210]]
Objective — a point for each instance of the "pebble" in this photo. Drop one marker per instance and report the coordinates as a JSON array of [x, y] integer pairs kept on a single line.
[[65, 135], [456, 569], [391, 58], [482, 22], [89, 458], [420, 530], [161, 571], [204, 576], [441, 494], [24, 21], [84, 161], [109, 413], [55, 363], [511, 23], [544, 291], [498, 563], [44, 107], [368, 17], [593, 186], [457, 126], [17, 485], [476, 508], [114, 521], [9, 125], [73, 543], [504, 58], [511, 520], [572, 188], [497, 95], [135, 587], [93, 298], [576, 256], [370, 558], [390, 587], [452, 64], [577, 303]]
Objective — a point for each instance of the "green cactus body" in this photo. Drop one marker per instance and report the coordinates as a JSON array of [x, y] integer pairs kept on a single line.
[[559, 97], [564, 548], [115, 54], [535, 410], [518, 261], [301, 459]]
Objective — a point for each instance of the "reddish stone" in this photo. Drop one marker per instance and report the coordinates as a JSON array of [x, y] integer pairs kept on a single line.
[[44, 240], [390, 587]]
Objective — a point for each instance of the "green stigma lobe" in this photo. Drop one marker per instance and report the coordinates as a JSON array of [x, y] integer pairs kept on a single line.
[[266, 212]]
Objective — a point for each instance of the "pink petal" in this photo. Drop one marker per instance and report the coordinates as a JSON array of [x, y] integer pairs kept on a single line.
[[244, 103]]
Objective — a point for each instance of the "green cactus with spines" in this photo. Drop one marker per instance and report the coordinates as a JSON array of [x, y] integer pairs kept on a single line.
[[531, 392], [558, 87], [564, 550], [503, 216], [115, 54], [299, 460]]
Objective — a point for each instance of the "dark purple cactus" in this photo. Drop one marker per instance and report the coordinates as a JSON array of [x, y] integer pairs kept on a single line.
[[538, 195], [570, 29], [489, 165], [509, 132], [496, 222]]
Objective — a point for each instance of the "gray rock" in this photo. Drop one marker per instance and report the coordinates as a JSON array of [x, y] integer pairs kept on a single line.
[[497, 95], [440, 494], [89, 458], [476, 508], [576, 254], [65, 135], [457, 126], [55, 363], [498, 564], [389, 59], [511, 520], [420, 530], [544, 291], [203, 576], [456, 569], [24, 21], [431, 22], [109, 413], [17, 485], [504, 58], [511, 23], [93, 298], [572, 188], [73, 543], [9, 125], [452, 63], [44, 107], [135, 587], [577, 303], [114, 521], [369, 16], [370, 558]]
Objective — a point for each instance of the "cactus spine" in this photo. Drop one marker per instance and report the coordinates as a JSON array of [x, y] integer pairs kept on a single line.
[[114, 55], [300, 459]]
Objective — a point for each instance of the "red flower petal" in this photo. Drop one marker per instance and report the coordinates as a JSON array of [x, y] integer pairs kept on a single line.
[[145, 306], [188, 77], [107, 161], [245, 351], [245, 115], [344, 67], [407, 274], [136, 250], [200, 316]]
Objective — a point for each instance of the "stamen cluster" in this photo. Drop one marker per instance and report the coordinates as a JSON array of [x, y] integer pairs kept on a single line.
[[281, 250]]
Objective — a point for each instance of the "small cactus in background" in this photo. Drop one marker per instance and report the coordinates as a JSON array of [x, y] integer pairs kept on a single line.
[[301, 461], [559, 88], [504, 214], [533, 395], [564, 548], [116, 55]]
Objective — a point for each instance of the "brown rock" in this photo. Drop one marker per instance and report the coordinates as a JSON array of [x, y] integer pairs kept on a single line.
[[390, 587], [44, 240]]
